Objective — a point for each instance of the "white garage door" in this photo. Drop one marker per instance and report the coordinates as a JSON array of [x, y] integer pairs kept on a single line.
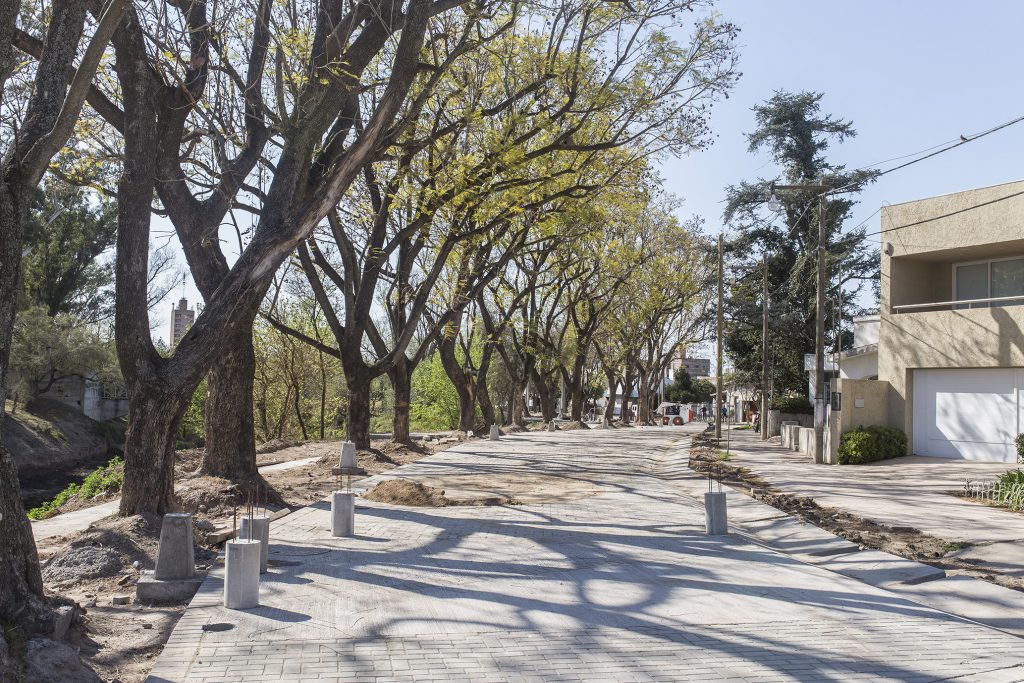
[[969, 414]]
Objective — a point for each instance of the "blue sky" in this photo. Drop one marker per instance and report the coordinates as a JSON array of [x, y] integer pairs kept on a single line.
[[909, 75]]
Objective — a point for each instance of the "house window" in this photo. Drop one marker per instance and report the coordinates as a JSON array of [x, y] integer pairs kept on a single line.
[[993, 279]]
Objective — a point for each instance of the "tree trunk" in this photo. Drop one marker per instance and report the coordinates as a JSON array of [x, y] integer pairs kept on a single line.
[[518, 413], [401, 384], [643, 413], [153, 420], [609, 407], [230, 432], [462, 378], [547, 397], [358, 426], [627, 390], [576, 394], [483, 398]]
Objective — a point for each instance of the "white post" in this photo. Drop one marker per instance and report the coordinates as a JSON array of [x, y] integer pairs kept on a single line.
[[257, 529], [715, 515], [241, 574], [343, 513], [348, 455]]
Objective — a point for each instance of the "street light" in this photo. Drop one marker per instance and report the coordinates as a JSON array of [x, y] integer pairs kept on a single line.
[[819, 326]]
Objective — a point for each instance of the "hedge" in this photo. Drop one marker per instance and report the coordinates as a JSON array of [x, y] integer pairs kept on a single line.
[[868, 444], [792, 404], [1020, 448]]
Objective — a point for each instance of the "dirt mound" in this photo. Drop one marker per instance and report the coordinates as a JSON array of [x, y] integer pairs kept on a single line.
[[512, 429], [405, 492], [104, 550], [275, 445], [214, 495], [575, 424], [83, 562]]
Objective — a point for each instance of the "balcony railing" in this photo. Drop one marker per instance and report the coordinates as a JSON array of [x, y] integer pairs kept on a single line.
[[961, 303]]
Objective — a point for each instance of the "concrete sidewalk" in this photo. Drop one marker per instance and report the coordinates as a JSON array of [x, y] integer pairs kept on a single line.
[[911, 491], [619, 584]]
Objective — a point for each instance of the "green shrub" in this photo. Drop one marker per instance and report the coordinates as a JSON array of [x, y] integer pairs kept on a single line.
[[1020, 448], [1009, 489], [106, 479], [790, 403], [868, 444]]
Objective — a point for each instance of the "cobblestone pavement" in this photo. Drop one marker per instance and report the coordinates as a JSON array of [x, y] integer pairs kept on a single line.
[[621, 585]]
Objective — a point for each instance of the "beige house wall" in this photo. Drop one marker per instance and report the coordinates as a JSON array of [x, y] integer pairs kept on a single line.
[[925, 239], [864, 402]]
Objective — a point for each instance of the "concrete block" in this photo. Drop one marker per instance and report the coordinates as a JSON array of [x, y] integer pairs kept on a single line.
[[175, 556], [343, 514], [149, 589], [257, 529], [348, 455], [716, 520], [881, 569], [495, 434], [241, 574], [551, 426]]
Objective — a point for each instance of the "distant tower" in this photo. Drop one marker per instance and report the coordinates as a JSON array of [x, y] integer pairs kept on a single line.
[[182, 318]]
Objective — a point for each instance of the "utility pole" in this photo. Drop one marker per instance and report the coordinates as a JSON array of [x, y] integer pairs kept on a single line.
[[819, 343], [819, 327], [718, 360], [764, 350]]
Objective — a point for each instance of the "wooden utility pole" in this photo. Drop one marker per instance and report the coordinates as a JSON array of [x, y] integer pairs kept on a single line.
[[764, 349], [819, 342], [819, 327], [718, 361]]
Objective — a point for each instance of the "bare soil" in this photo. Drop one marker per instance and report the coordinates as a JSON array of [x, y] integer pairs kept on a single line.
[[417, 494], [574, 425], [903, 541]]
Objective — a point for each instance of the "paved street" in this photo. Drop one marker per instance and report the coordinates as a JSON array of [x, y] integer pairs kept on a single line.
[[617, 583]]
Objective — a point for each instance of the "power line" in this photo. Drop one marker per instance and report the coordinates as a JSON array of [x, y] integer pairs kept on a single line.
[[964, 139]]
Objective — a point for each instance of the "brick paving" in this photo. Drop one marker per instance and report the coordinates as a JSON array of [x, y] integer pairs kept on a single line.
[[622, 585]]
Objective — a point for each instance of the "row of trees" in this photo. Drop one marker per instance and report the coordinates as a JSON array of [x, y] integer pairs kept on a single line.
[[441, 175]]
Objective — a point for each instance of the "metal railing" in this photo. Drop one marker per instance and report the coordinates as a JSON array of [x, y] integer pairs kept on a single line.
[[960, 302], [992, 491]]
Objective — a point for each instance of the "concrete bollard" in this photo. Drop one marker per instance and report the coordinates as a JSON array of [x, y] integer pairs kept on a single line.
[[495, 434], [551, 426], [348, 455], [716, 518], [241, 574], [257, 529], [175, 556], [343, 513]]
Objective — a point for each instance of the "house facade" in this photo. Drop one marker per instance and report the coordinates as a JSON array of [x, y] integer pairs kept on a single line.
[[951, 333]]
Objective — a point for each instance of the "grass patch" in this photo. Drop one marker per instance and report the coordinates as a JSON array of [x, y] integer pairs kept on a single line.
[[103, 480], [722, 455], [953, 546], [743, 428]]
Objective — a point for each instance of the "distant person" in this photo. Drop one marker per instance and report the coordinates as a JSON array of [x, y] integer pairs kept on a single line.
[[703, 412]]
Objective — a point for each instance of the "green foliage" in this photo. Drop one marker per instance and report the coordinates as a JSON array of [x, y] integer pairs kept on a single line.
[[868, 444], [687, 390], [1009, 490], [47, 348], [67, 233], [192, 430], [435, 403], [101, 481], [1020, 448], [797, 135], [792, 403]]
